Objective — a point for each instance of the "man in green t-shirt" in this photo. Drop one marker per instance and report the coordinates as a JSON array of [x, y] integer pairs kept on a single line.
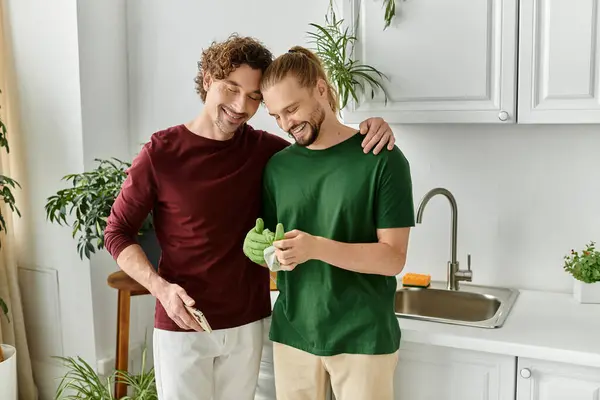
[[349, 218]]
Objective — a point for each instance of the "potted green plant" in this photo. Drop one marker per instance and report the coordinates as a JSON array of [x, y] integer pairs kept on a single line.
[[82, 382], [584, 266], [8, 353], [89, 201]]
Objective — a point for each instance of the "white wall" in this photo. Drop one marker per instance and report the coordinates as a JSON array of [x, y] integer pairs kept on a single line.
[[71, 66]]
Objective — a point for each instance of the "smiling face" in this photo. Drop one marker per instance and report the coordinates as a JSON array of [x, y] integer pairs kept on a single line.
[[232, 101], [300, 111]]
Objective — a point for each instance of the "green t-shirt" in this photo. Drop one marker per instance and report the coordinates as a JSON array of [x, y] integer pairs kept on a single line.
[[342, 194]]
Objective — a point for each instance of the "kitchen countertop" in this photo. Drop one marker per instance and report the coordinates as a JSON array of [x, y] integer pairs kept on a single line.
[[543, 325]]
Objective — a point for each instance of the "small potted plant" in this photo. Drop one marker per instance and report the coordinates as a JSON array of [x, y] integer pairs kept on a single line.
[[584, 266], [89, 201], [81, 381]]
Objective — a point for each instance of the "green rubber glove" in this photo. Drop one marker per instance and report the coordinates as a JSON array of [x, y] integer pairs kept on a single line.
[[278, 235], [256, 242]]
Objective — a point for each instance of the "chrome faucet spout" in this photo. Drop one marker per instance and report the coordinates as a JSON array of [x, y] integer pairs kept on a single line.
[[454, 274]]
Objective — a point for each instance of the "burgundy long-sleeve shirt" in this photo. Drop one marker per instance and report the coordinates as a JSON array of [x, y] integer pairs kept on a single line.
[[205, 195]]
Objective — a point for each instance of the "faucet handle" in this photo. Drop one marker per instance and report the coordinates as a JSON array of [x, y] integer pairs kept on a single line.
[[465, 275]]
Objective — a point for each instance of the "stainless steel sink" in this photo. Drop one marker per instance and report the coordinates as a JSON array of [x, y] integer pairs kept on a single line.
[[472, 305]]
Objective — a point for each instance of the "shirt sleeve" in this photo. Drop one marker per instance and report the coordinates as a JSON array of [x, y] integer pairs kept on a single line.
[[394, 204], [132, 206]]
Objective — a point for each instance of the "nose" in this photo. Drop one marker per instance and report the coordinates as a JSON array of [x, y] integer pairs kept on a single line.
[[240, 104], [286, 124]]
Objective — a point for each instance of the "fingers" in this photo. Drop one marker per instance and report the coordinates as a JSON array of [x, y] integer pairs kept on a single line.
[[392, 142], [373, 138], [279, 233], [257, 245], [285, 257], [292, 234], [364, 127], [184, 296], [260, 225], [282, 244], [379, 147], [185, 321], [257, 238], [177, 311]]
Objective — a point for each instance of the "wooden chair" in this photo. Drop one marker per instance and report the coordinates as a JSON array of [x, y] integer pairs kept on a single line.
[[126, 288], [273, 280]]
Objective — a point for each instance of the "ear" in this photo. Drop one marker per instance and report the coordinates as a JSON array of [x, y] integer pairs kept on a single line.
[[206, 81], [322, 88]]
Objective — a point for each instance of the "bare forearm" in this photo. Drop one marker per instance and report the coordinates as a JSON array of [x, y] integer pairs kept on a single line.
[[368, 258], [133, 261]]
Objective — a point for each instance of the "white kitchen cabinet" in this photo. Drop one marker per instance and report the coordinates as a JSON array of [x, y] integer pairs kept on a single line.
[[542, 380], [427, 372], [559, 61], [447, 61], [458, 61]]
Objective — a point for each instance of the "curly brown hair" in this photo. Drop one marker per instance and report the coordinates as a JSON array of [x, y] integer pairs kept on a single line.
[[222, 58]]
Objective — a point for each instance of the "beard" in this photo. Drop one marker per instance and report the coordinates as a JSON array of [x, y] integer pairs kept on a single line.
[[309, 130]]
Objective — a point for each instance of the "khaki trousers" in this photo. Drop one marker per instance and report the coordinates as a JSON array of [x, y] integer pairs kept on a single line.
[[303, 376]]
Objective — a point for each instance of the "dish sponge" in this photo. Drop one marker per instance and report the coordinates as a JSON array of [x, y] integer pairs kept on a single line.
[[411, 279]]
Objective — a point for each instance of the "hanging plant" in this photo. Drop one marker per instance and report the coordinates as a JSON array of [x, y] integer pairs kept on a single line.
[[334, 44], [390, 12]]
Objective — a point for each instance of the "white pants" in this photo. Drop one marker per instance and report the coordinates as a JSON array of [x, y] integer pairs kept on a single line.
[[221, 365]]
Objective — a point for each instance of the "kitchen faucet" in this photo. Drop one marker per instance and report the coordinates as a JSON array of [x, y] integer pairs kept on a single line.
[[455, 275]]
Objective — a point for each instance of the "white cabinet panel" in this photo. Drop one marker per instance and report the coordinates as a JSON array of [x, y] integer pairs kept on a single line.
[[430, 373], [447, 61], [541, 380], [559, 68]]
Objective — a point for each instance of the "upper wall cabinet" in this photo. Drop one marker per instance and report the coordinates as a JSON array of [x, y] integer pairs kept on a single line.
[[559, 68], [446, 61], [458, 61]]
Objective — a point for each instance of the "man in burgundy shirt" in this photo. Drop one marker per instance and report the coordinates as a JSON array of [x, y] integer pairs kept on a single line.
[[202, 183]]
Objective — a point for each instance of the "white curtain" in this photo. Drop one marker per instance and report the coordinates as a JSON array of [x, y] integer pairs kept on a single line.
[[11, 165]]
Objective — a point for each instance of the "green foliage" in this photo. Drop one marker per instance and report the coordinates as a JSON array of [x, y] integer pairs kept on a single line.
[[4, 308], [390, 12], [7, 184], [82, 382], [334, 44], [90, 200], [584, 265]]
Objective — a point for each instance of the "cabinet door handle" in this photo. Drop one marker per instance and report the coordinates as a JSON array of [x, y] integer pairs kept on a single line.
[[503, 116], [526, 373]]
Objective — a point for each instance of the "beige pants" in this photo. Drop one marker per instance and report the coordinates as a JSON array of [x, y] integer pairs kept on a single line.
[[303, 376]]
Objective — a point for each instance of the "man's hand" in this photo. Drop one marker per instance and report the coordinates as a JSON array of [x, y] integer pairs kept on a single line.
[[296, 248], [256, 242], [377, 132], [172, 297]]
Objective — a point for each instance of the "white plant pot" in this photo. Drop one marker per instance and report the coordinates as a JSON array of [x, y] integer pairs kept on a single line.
[[8, 373], [586, 292]]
